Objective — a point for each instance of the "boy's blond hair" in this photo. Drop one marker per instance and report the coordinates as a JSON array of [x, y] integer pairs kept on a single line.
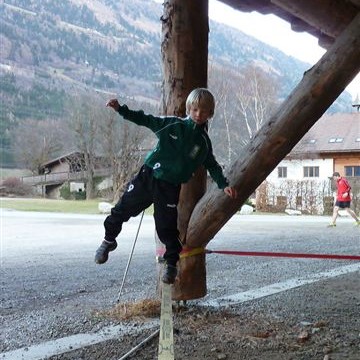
[[201, 97]]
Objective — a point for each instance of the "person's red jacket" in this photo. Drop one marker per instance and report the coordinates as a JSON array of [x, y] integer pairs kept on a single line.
[[343, 186]]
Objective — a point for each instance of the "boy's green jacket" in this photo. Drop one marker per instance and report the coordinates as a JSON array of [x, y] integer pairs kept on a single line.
[[182, 148]]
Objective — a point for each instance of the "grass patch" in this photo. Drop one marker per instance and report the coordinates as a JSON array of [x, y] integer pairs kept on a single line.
[[47, 205], [50, 205]]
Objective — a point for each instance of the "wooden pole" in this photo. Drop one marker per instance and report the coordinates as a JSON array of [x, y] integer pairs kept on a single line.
[[184, 51]]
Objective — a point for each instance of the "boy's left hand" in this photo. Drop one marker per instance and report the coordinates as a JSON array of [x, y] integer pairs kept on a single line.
[[113, 103], [231, 191]]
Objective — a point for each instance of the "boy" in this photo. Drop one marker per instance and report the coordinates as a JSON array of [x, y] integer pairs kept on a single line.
[[183, 146], [343, 199]]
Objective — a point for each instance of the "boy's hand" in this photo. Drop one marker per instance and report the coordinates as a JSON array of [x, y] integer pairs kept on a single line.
[[113, 103], [231, 191]]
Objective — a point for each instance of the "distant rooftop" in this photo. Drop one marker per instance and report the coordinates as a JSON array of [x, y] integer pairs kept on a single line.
[[331, 134]]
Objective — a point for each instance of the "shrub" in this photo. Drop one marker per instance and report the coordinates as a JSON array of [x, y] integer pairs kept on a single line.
[[14, 186], [65, 192], [79, 195]]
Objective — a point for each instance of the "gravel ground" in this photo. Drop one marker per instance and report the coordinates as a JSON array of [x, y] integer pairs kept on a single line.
[[281, 327], [52, 289]]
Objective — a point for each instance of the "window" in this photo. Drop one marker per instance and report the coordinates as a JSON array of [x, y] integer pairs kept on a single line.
[[352, 170], [311, 171], [282, 171]]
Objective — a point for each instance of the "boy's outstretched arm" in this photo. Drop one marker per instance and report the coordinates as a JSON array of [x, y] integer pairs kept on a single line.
[[113, 103], [231, 191], [138, 117]]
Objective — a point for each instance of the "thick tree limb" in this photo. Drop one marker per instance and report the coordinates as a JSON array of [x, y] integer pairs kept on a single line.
[[320, 86]]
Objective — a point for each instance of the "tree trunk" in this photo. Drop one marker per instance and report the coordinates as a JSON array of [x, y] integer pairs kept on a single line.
[[89, 160], [184, 51], [320, 86], [185, 56]]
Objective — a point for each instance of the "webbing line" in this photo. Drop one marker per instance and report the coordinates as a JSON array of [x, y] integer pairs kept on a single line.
[[288, 255], [187, 251], [166, 338]]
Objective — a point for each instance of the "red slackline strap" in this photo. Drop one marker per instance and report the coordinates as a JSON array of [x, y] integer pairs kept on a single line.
[[287, 255]]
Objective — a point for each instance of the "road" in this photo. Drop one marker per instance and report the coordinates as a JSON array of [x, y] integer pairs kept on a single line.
[[51, 286]]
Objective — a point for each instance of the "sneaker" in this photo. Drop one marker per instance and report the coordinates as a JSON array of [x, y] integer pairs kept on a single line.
[[102, 253], [169, 276], [331, 225]]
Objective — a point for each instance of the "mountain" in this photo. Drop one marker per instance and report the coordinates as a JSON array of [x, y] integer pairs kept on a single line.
[[51, 50]]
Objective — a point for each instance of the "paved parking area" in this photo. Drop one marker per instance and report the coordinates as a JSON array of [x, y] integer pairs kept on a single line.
[[48, 272]]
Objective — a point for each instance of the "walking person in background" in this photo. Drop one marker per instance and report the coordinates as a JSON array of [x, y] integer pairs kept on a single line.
[[343, 199], [183, 146]]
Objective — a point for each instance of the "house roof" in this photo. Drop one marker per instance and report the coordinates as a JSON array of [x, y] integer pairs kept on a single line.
[[336, 133], [325, 19], [60, 159]]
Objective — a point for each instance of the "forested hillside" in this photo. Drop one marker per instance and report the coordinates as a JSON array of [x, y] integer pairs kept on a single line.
[[54, 50]]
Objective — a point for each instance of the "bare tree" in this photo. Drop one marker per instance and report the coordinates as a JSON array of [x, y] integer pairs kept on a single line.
[[36, 142], [85, 115], [256, 98], [106, 141], [244, 99], [222, 83], [122, 148]]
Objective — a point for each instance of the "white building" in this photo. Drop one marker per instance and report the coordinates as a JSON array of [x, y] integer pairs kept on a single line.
[[302, 180]]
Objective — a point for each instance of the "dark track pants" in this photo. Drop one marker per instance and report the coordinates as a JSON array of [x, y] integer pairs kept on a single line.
[[141, 192]]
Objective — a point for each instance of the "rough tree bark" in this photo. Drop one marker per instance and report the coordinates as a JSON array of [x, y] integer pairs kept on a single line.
[[320, 86], [185, 60]]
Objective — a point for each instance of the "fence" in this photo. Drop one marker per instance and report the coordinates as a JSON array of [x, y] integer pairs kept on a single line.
[[61, 177], [308, 196]]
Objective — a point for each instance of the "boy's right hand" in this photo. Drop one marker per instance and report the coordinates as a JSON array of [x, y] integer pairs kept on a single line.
[[113, 103], [231, 191]]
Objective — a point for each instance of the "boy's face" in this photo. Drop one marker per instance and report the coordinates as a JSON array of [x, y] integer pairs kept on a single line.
[[199, 114]]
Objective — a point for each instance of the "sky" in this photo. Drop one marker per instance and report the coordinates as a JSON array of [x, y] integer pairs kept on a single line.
[[302, 46]]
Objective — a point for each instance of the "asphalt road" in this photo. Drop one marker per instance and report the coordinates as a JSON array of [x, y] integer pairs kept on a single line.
[[51, 286]]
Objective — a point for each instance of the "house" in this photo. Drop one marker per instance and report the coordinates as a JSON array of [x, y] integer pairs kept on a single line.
[[303, 179], [69, 168], [67, 163]]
